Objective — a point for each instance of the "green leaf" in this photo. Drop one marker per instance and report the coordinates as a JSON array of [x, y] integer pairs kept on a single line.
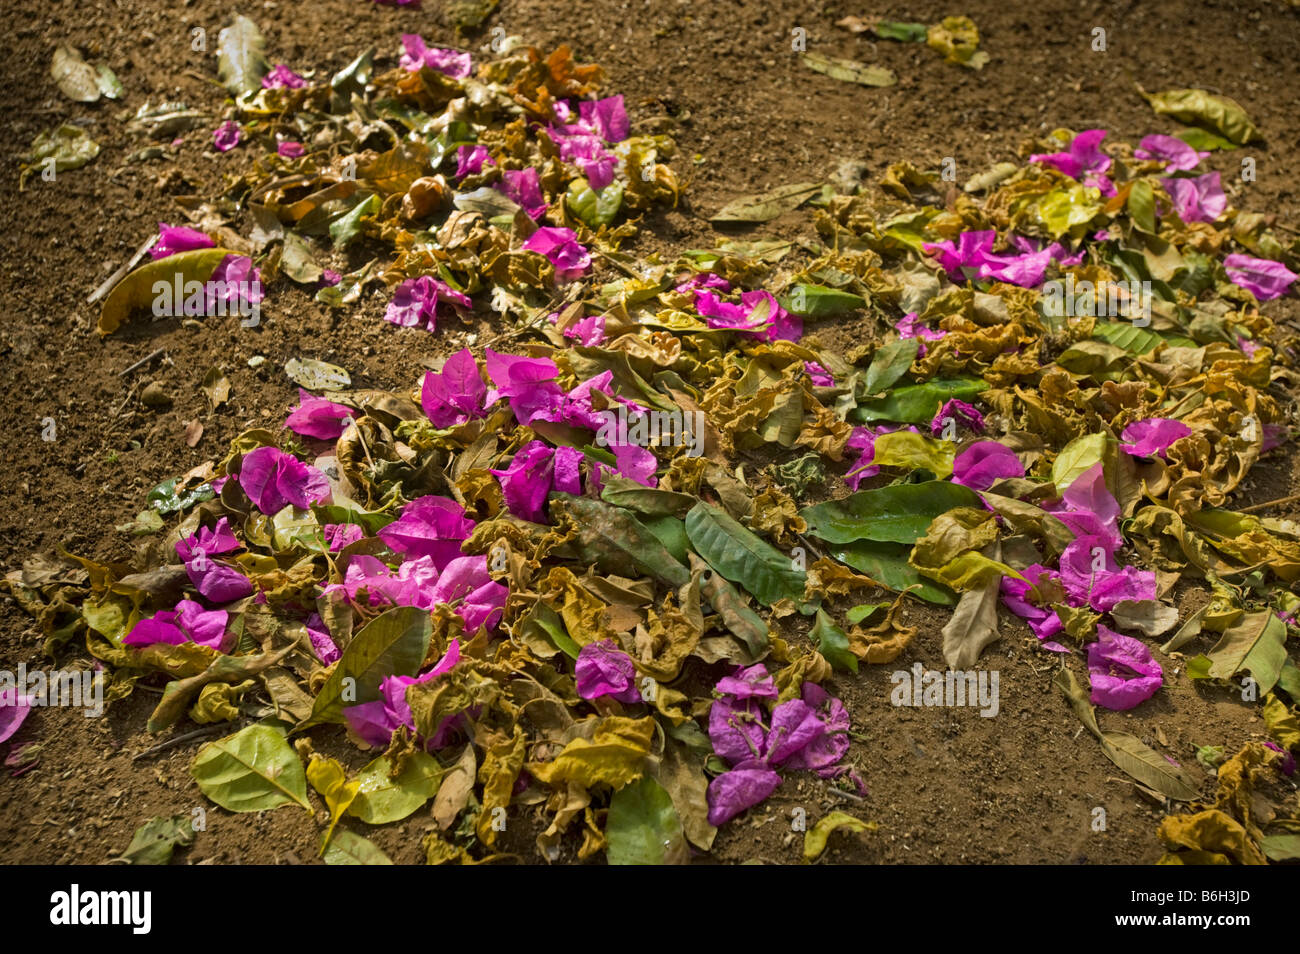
[[165, 498], [1281, 847], [346, 227], [137, 290], [155, 840], [624, 492], [241, 57], [1257, 644], [864, 611], [917, 403], [887, 564], [392, 644], [671, 532], [743, 557], [1126, 335], [1142, 205], [381, 799], [765, 206], [1203, 139], [1218, 114], [1078, 456], [296, 260], [890, 363], [819, 301], [833, 643], [902, 32], [900, 513], [346, 848], [850, 71], [594, 208], [643, 827], [350, 80], [251, 771]]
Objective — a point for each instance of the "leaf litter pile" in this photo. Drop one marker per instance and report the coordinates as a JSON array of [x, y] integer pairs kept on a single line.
[[574, 575]]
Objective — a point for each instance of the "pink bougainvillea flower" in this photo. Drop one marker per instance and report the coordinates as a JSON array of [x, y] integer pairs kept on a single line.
[[744, 786], [410, 585], [561, 248], [273, 479], [1083, 155], [1287, 766], [759, 314], [524, 188], [984, 463], [465, 584], [703, 280], [330, 277], [606, 117], [226, 136], [529, 384], [178, 238], [317, 417], [602, 669], [375, 722], [290, 149], [236, 284], [1177, 155], [1089, 509], [339, 535], [1121, 670], [821, 749], [456, 394], [327, 651], [415, 302], [217, 582], [589, 331], [429, 526], [568, 470], [14, 709], [470, 160], [1262, 277], [210, 541], [749, 683], [820, 377], [281, 77], [1152, 437], [188, 622], [527, 481], [1091, 575], [1199, 199], [961, 414], [1021, 597], [416, 55], [972, 256]]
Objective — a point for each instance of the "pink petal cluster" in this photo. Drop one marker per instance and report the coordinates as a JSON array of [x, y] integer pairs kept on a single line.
[[415, 56], [470, 160], [583, 142], [758, 314], [317, 417], [524, 188], [984, 463], [416, 300], [188, 622], [273, 480], [1177, 155], [561, 248], [810, 732], [226, 136], [1121, 670], [281, 77], [216, 582], [455, 394], [972, 256], [602, 669], [1152, 437], [429, 526], [1198, 199], [375, 722], [1262, 277]]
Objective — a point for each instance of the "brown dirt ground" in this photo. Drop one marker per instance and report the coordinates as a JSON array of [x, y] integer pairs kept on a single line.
[[945, 785]]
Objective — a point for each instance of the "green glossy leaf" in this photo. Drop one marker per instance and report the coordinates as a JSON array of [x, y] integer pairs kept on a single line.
[[643, 827], [1142, 205], [917, 403], [165, 498], [897, 514], [887, 564], [833, 643], [345, 228], [902, 32], [594, 208], [1255, 644], [743, 557], [251, 771], [819, 301], [381, 799], [392, 644]]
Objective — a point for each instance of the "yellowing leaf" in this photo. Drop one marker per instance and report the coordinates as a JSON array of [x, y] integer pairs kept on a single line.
[[814, 840], [137, 289]]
